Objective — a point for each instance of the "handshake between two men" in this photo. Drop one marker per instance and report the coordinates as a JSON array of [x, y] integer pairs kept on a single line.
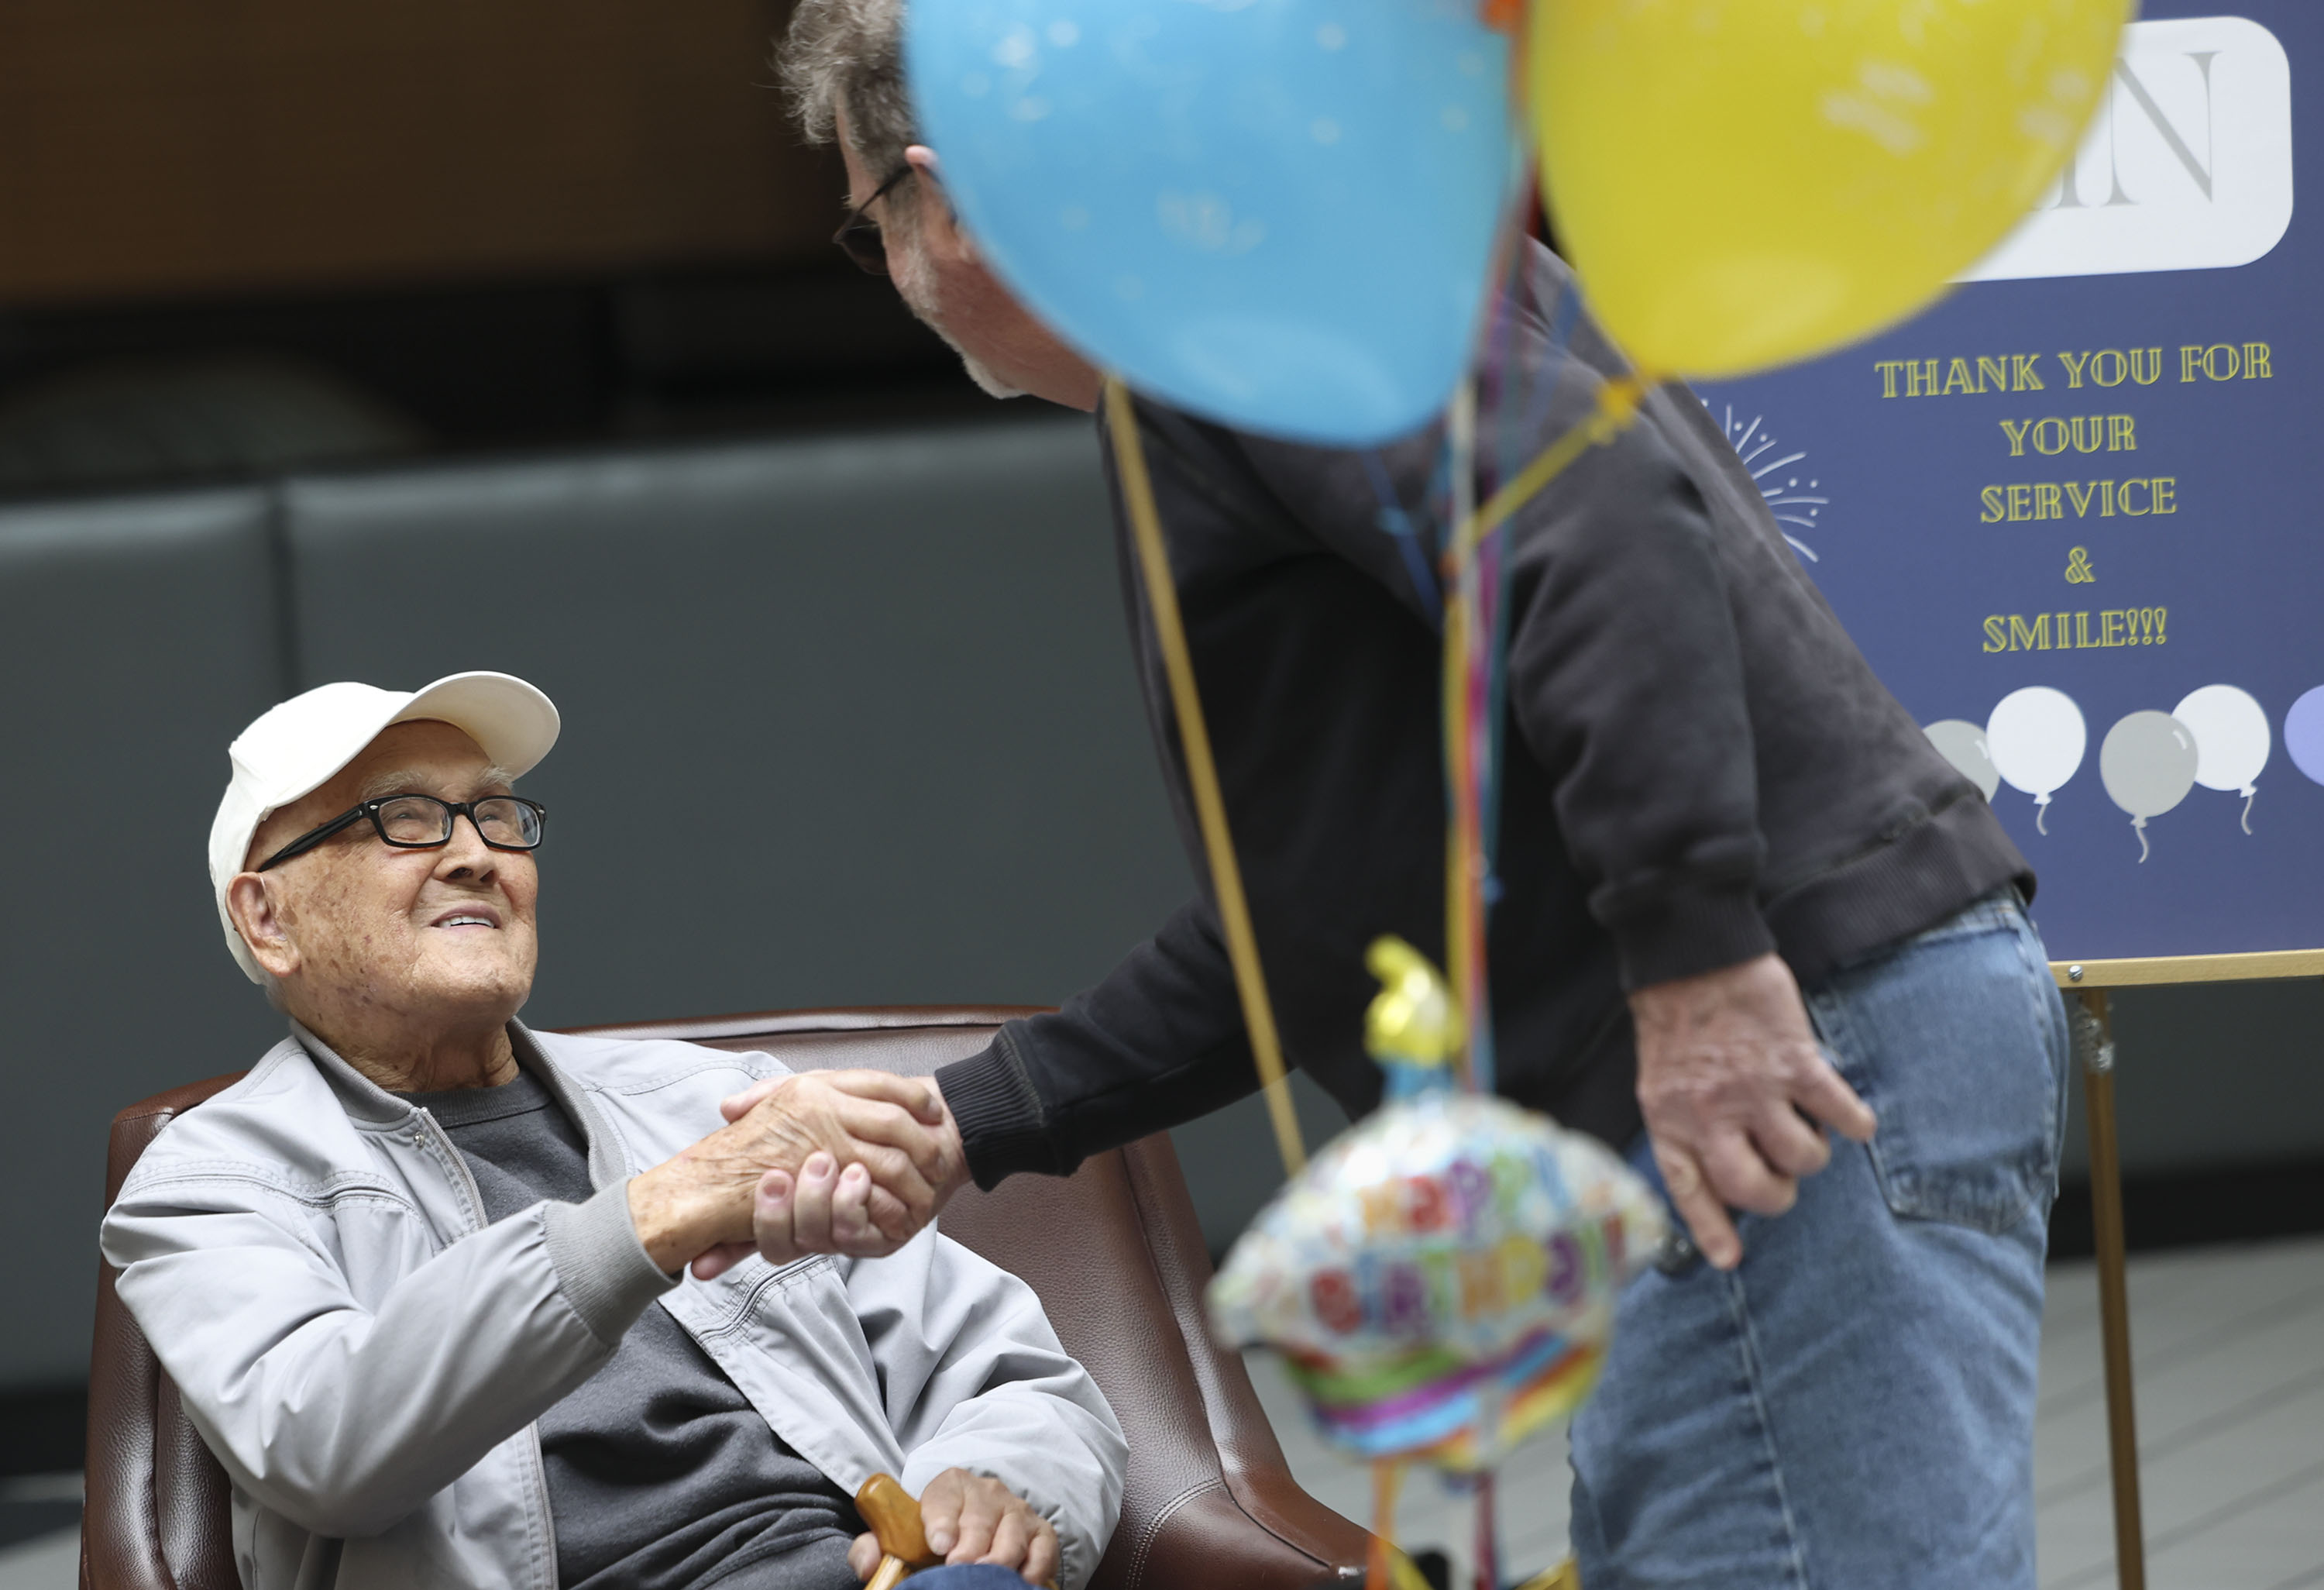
[[853, 1162]]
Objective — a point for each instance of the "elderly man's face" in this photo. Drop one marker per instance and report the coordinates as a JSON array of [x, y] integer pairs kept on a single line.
[[361, 929]]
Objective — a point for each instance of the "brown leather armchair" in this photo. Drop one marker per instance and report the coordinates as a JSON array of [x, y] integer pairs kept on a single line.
[[1114, 1253]]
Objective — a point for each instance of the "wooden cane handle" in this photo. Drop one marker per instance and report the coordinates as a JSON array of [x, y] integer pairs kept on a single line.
[[893, 1515]]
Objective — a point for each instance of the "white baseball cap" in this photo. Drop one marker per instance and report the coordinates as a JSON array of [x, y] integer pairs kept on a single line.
[[295, 748]]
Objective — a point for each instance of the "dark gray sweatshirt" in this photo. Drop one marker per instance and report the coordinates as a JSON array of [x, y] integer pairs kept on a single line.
[[1700, 766]]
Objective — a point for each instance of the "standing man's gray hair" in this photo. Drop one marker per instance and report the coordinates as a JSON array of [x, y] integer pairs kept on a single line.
[[847, 55]]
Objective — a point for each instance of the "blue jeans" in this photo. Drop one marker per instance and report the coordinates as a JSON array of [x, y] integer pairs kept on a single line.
[[974, 1575], [1852, 1408]]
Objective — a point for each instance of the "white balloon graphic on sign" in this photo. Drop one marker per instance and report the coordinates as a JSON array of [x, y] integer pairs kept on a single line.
[[2037, 737], [2232, 740], [1963, 745]]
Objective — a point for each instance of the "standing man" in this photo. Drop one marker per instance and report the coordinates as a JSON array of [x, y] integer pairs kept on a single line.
[[1743, 905]]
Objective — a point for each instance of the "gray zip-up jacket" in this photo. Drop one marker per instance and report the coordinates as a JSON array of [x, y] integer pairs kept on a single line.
[[309, 1256]]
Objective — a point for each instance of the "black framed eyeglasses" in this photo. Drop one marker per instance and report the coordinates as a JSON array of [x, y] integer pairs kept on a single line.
[[859, 236], [422, 822]]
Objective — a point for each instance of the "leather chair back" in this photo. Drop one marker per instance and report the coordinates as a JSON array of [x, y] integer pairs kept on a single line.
[[1114, 1253]]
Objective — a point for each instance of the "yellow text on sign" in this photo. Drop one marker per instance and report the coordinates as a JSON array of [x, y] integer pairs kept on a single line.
[[2132, 499]]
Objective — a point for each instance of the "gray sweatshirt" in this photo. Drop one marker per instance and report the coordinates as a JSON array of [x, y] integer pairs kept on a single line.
[[662, 1475]]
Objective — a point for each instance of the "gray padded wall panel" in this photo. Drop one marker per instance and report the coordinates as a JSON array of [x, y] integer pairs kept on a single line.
[[887, 676], [2212, 1075], [136, 637]]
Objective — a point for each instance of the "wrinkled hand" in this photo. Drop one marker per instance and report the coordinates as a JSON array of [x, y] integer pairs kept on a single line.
[[1730, 1081], [968, 1518], [855, 1159], [864, 1189]]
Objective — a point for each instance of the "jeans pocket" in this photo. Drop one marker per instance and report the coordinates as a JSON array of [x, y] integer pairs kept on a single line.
[[1957, 1039]]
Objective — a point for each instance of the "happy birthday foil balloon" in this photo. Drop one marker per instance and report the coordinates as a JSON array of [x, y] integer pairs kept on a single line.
[[1441, 1278], [1742, 183]]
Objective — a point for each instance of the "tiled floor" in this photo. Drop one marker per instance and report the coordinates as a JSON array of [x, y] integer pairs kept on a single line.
[[52, 1562], [2229, 1343], [43, 1562]]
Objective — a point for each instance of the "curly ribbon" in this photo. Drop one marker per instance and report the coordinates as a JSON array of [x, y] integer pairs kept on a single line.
[[1202, 772], [1475, 633], [1489, 1535], [1388, 1478], [1617, 405], [1464, 778], [1385, 1567]]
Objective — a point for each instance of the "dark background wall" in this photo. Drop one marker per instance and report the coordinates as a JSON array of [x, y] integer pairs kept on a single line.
[[148, 147]]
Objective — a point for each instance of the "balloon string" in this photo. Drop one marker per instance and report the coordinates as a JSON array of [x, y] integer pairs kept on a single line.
[[2248, 798], [2042, 817], [1387, 1477], [1489, 1535], [1518, 390], [1474, 635], [2138, 826], [1398, 525], [1202, 772], [1566, 311], [1617, 404], [1463, 865]]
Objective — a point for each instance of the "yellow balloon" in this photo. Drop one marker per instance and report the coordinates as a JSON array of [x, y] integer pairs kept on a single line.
[[1742, 183]]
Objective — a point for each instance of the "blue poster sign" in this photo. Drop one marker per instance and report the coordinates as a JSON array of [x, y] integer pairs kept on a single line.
[[2074, 515]]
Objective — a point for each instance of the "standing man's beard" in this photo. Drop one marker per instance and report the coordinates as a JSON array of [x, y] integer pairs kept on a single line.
[[916, 284]]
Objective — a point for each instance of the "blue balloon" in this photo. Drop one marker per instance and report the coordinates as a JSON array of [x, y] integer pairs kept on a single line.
[[1278, 214]]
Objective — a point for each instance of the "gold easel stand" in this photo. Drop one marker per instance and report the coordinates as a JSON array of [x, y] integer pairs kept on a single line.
[[2093, 1031]]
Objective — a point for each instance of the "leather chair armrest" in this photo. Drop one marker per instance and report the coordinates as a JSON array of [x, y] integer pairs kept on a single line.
[[155, 1515], [1257, 1474]]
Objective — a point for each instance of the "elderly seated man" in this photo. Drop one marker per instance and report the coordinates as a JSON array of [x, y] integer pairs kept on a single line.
[[405, 1273]]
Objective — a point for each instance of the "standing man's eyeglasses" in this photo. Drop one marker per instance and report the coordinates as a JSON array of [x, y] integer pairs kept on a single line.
[[422, 822], [859, 236]]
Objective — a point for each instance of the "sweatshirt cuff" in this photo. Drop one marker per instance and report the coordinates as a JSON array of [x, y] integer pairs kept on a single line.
[[1689, 932], [601, 1265], [999, 1112]]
